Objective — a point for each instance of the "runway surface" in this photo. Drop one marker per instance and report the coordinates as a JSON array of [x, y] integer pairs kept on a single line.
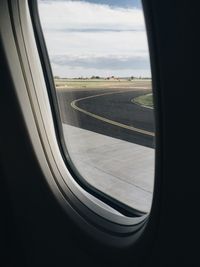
[[110, 112]]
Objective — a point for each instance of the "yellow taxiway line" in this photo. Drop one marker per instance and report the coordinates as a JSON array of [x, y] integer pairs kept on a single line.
[[74, 105]]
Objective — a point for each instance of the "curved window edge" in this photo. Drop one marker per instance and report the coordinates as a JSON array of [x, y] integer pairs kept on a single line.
[[106, 222]]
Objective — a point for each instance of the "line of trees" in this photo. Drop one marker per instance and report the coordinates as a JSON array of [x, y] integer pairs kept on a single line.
[[107, 78]]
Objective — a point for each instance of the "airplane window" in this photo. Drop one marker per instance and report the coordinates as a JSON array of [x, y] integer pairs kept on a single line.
[[100, 61]]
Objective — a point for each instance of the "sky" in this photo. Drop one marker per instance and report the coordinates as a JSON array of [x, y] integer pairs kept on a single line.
[[102, 38]]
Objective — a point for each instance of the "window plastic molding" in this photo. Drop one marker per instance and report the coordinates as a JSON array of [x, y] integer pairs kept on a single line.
[[92, 215]]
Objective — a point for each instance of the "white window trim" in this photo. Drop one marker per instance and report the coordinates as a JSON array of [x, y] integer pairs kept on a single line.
[[32, 95]]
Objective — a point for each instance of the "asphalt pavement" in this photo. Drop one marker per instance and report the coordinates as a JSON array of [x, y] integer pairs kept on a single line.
[[110, 141], [110, 112]]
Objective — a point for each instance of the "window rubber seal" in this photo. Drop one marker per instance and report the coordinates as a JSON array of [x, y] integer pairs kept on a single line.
[[48, 77]]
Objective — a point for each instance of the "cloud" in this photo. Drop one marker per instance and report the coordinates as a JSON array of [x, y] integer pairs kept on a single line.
[[83, 15], [104, 63], [86, 37], [115, 3], [101, 43], [119, 3]]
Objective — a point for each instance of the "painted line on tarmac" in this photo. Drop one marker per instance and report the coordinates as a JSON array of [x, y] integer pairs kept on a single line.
[[136, 103], [115, 123]]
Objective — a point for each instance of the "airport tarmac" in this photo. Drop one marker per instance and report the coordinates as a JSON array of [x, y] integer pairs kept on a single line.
[[119, 168]]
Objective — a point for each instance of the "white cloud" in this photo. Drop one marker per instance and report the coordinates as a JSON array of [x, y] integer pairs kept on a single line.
[[80, 30], [83, 15]]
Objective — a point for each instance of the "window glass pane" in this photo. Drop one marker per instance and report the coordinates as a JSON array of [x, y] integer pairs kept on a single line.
[[100, 62]]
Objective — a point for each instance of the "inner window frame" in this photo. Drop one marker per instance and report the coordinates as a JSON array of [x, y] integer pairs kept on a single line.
[[51, 90]]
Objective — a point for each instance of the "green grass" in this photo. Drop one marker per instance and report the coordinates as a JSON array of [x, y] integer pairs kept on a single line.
[[145, 100]]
